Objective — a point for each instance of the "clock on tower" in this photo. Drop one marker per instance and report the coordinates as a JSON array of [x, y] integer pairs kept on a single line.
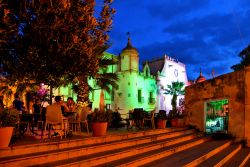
[[176, 73]]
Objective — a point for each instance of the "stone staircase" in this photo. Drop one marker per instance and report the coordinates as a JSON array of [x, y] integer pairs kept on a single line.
[[158, 147], [215, 153]]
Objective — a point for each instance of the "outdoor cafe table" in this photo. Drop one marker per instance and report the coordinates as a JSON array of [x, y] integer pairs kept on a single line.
[[68, 117], [135, 118], [26, 121], [69, 114]]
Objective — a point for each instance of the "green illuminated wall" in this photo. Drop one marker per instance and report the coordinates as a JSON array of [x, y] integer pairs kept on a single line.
[[126, 97]]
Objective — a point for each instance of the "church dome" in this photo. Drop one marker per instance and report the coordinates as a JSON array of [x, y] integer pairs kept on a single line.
[[129, 47], [200, 78]]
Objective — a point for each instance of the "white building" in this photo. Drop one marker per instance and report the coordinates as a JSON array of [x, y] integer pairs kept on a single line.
[[167, 70]]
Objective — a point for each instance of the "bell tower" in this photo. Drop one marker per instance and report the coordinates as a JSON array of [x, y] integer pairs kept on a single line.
[[129, 58]]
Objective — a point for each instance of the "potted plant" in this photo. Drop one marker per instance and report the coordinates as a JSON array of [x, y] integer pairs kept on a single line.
[[105, 81], [161, 119], [100, 120], [7, 123], [175, 89]]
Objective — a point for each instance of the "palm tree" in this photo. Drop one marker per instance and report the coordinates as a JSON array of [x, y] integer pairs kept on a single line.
[[175, 89], [104, 79]]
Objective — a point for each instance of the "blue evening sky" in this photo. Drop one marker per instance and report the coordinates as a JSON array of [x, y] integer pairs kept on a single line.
[[206, 34]]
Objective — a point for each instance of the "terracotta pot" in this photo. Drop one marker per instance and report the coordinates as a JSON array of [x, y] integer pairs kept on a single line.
[[99, 128], [174, 122], [6, 134], [180, 122], [161, 124]]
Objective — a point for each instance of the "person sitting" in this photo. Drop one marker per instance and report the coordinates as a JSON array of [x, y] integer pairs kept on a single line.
[[58, 106], [70, 104]]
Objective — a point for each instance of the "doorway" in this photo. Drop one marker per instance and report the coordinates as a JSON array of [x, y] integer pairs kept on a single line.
[[216, 116]]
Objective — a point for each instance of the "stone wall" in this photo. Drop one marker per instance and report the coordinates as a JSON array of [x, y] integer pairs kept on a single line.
[[229, 86], [247, 104]]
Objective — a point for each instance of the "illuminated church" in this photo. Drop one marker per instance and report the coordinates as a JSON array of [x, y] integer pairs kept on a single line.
[[167, 70], [137, 89]]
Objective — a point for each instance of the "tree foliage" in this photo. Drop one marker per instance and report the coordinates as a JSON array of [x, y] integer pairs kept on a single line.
[[53, 41], [106, 80], [245, 59]]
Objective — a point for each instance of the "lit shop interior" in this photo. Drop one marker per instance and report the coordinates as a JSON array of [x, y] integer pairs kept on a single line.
[[216, 113]]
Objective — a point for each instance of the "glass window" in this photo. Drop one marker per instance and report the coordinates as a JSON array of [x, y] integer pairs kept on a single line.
[[139, 95]]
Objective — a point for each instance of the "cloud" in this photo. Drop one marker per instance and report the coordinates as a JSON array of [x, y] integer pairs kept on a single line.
[[167, 10], [199, 33]]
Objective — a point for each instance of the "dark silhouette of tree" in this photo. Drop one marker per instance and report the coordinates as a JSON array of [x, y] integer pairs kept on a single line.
[[245, 59], [53, 41]]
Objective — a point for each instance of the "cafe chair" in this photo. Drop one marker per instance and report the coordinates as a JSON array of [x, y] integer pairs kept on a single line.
[[150, 118], [81, 119], [54, 117], [129, 120]]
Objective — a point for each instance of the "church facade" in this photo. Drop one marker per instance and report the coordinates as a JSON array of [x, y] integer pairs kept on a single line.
[[167, 70], [136, 89]]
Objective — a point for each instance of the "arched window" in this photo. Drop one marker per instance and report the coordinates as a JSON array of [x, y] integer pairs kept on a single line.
[[147, 72]]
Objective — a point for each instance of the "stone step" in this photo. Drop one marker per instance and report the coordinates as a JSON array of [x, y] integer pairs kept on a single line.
[[184, 157], [247, 164], [238, 159], [50, 146], [67, 153], [109, 156], [154, 155], [221, 157]]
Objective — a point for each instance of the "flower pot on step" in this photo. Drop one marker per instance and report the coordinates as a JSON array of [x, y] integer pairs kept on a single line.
[[174, 122], [99, 128], [161, 123], [180, 122], [6, 134]]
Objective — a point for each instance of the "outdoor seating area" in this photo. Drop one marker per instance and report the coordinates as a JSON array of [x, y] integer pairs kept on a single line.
[[140, 119], [63, 120], [65, 126]]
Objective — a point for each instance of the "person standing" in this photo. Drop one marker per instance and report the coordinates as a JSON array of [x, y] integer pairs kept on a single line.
[[44, 104], [36, 110], [17, 104]]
